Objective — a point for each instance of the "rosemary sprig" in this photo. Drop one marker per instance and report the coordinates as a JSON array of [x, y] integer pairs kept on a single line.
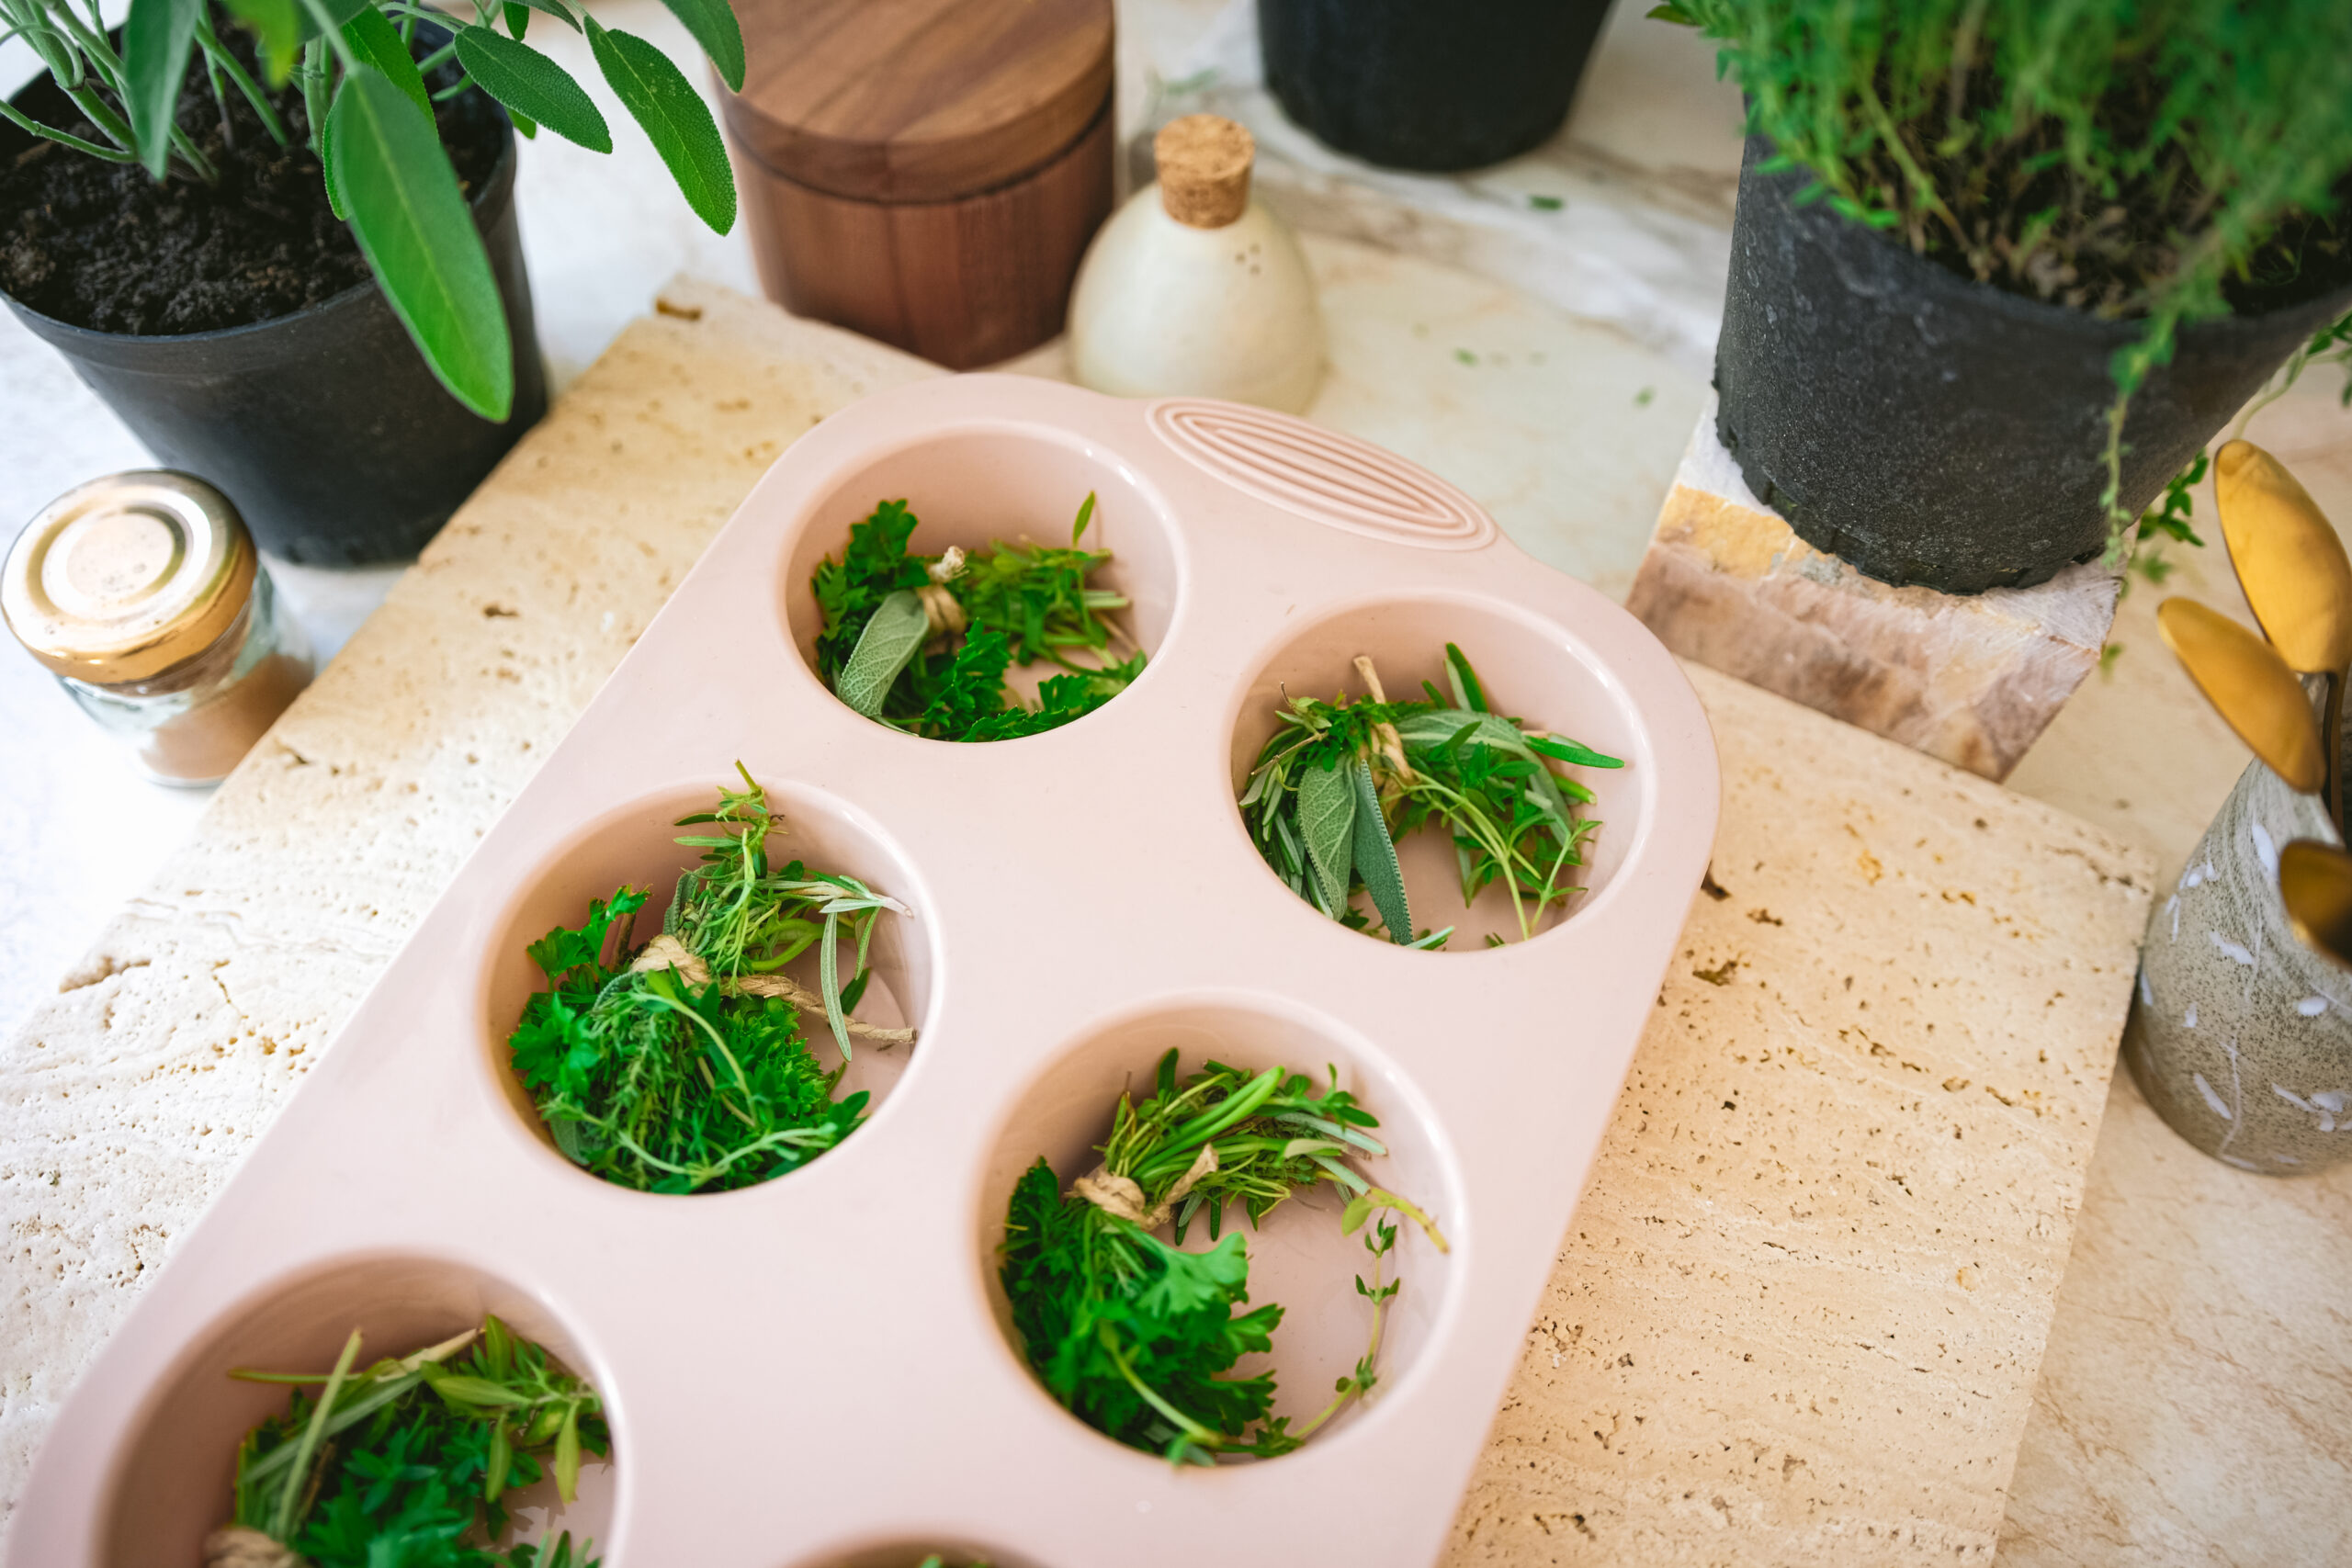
[[1131, 1333]]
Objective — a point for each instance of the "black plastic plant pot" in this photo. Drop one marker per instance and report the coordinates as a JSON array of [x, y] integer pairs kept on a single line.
[[1929, 429], [1413, 84], [323, 427]]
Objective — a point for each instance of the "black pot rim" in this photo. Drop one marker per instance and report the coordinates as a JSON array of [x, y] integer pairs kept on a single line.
[[500, 183], [2024, 309]]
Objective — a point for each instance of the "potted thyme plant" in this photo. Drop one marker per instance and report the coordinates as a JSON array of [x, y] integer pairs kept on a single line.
[[2000, 270], [278, 236]]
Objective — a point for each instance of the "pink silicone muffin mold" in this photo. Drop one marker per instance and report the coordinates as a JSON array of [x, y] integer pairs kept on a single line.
[[1065, 889], [179, 1454], [636, 845], [1300, 1257]]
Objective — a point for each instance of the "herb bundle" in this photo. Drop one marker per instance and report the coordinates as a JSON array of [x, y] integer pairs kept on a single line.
[[410, 1461], [1131, 1333], [1326, 786], [679, 1065], [921, 643]]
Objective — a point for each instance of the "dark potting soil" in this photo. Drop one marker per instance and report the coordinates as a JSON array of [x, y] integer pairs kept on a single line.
[[101, 245]]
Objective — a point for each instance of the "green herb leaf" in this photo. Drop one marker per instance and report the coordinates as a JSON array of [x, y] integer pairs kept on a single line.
[[156, 38], [531, 84], [1375, 857], [892, 638], [555, 8], [1327, 819], [674, 119], [419, 237], [374, 40], [279, 28], [713, 25]]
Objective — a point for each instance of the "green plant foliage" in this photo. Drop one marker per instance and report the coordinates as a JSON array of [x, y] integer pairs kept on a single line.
[[694, 1074], [2157, 160], [1023, 603], [1133, 1334], [1326, 784], [411, 1462], [393, 186]]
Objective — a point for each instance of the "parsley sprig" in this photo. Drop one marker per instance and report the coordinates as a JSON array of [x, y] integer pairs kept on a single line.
[[921, 643], [411, 1460], [680, 1065], [1131, 1333], [1338, 783]]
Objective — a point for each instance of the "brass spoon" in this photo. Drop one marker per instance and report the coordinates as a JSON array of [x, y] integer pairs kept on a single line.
[[2291, 564], [2250, 687], [2315, 882]]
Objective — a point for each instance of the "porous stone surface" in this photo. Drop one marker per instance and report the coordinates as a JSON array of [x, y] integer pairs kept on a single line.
[[1969, 678], [1798, 1314], [127, 1098]]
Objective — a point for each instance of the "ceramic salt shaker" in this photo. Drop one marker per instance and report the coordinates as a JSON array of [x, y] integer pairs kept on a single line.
[[1195, 289], [2240, 1035]]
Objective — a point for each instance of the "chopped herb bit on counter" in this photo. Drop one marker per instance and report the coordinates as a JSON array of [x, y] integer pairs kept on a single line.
[[1340, 783], [412, 1461], [921, 643], [1545, 203], [1131, 1333], [681, 1065]]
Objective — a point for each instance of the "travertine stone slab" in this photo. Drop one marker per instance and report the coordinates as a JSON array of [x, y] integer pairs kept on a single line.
[[1799, 1317], [1799, 1313], [1970, 679]]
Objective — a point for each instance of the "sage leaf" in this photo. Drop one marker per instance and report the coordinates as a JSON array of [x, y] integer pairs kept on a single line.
[[1327, 821], [156, 38], [1375, 857], [278, 26], [419, 238], [517, 9], [888, 643], [674, 119], [714, 26], [531, 84], [372, 36]]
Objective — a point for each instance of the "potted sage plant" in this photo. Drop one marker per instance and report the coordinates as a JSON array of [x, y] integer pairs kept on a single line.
[[278, 236], [2000, 270]]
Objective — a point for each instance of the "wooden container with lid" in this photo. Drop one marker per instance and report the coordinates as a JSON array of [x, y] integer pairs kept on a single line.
[[926, 172]]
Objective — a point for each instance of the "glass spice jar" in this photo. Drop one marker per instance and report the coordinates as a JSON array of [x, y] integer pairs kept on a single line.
[[144, 593]]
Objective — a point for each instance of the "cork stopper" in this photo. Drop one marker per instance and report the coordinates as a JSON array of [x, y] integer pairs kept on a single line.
[[1204, 170]]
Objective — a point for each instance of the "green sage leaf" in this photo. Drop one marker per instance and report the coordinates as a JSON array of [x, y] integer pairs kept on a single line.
[[156, 38], [1327, 821], [886, 646], [374, 40], [278, 26], [713, 25], [555, 8], [1375, 858], [531, 84], [326, 169], [674, 119], [419, 238]]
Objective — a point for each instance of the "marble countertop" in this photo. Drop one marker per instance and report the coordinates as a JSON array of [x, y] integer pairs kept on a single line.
[[1551, 361]]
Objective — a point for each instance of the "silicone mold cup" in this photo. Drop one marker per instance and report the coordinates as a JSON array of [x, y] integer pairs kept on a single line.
[[826, 1353]]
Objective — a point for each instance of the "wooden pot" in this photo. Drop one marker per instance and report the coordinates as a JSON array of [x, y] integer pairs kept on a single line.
[[926, 171]]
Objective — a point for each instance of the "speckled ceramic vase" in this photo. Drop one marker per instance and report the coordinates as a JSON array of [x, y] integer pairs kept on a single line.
[[2240, 1035]]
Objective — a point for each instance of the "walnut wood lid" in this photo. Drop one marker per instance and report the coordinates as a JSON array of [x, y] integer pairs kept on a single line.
[[918, 100]]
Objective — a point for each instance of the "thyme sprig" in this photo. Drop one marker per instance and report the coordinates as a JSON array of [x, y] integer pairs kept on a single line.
[[681, 1065], [411, 1460], [1131, 1333], [1340, 782], [921, 643]]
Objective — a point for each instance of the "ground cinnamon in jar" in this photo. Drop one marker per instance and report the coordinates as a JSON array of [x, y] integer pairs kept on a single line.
[[142, 593]]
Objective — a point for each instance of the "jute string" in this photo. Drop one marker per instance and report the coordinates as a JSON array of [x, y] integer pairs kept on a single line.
[[1121, 1196], [666, 952]]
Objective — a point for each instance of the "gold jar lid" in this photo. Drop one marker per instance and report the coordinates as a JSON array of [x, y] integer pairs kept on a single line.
[[122, 578]]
